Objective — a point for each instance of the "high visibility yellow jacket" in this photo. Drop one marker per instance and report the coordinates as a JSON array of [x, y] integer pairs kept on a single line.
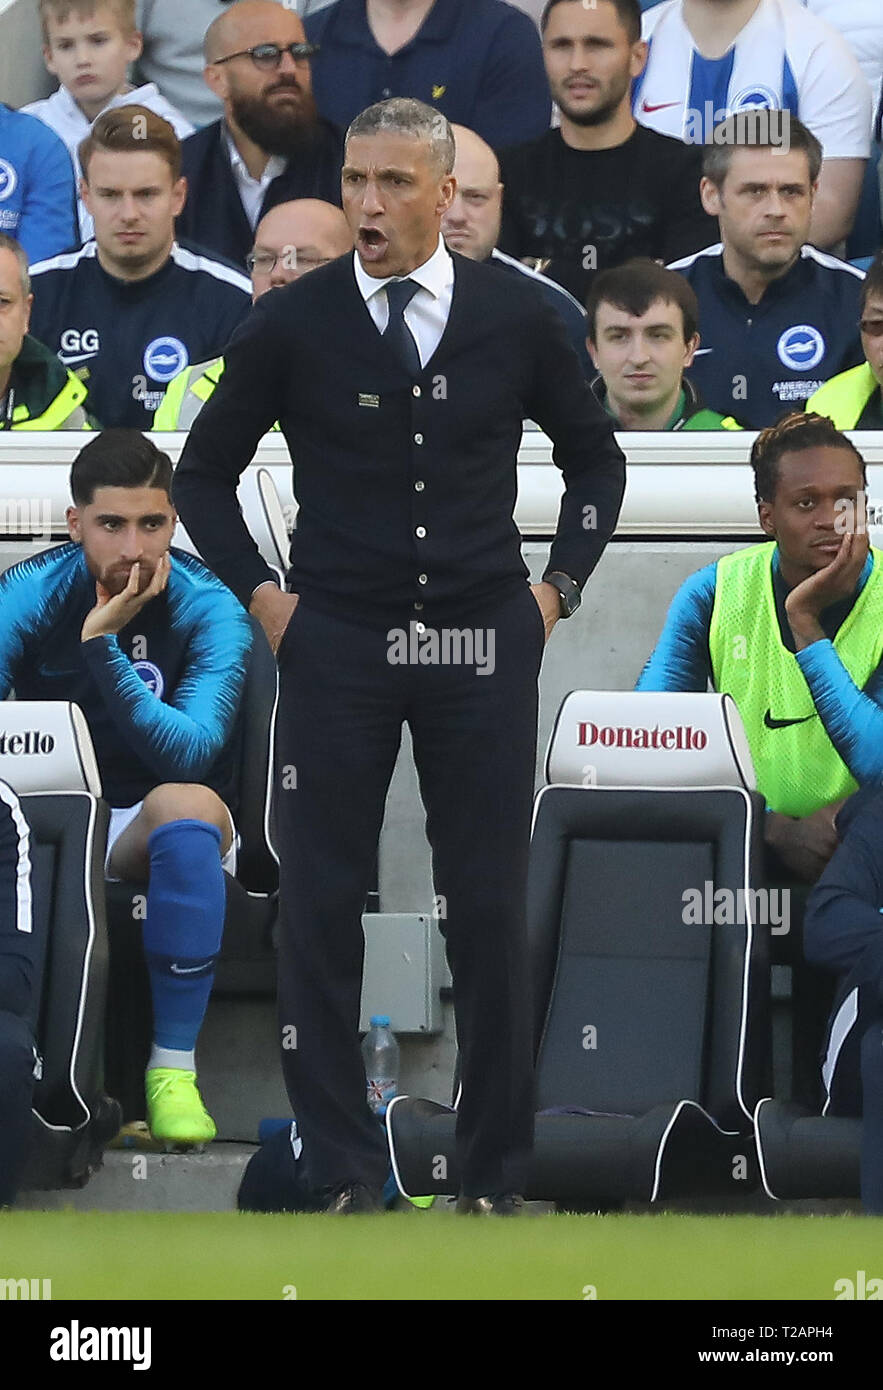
[[43, 394], [844, 397]]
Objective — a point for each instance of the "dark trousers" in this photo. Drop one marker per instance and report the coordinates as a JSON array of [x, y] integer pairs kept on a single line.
[[19, 998], [342, 703], [854, 1074]]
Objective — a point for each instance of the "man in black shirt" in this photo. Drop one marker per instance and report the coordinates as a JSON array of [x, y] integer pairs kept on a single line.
[[472, 226], [602, 188], [400, 378]]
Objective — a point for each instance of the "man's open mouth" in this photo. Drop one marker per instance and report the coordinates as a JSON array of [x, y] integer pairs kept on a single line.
[[371, 242]]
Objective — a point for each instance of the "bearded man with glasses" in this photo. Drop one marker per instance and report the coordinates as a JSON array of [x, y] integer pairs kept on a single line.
[[271, 146], [854, 399]]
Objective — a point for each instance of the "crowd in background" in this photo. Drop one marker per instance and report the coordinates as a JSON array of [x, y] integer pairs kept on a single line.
[[191, 159]]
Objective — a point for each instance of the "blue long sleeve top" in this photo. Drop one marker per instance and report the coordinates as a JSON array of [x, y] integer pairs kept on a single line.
[[161, 698]]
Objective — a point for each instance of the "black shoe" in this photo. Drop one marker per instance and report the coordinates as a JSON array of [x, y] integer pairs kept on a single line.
[[355, 1199], [495, 1204]]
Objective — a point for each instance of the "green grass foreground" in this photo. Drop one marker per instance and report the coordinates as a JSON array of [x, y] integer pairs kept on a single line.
[[148, 1255]]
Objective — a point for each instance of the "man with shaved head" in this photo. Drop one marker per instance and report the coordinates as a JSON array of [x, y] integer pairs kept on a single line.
[[173, 35], [292, 239], [271, 145], [471, 226]]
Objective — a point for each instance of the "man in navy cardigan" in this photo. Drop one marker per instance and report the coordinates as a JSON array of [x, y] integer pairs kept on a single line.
[[271, 146], [400, 376]]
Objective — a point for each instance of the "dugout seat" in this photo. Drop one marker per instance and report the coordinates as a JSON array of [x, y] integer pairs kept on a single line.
[[247, 961], [803, 1154], [54, 773], [652, 1032]]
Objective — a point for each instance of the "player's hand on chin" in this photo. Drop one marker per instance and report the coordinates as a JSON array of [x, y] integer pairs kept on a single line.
[[113, 611]]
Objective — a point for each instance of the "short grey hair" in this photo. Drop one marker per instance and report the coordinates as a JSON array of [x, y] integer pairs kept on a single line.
[[759, 129], [406, 116], [8, 243]]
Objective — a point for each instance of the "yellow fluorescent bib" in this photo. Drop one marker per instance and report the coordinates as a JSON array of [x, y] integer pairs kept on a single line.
[[798, 769]]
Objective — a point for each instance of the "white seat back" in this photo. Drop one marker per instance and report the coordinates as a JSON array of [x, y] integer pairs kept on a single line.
[[45, 746], [613, 738]]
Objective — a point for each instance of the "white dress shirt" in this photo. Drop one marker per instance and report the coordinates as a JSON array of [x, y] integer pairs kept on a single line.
[[427, 313], [252, 191]]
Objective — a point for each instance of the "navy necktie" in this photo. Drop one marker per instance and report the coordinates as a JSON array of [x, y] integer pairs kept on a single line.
[[399, 294]]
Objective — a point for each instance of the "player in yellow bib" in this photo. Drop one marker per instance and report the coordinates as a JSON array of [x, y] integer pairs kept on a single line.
[[793, 630]]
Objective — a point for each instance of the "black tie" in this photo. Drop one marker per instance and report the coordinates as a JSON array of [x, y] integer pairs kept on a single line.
[[397, 333]]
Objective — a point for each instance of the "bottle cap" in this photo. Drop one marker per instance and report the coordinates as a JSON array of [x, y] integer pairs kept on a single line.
[[380, 1020]]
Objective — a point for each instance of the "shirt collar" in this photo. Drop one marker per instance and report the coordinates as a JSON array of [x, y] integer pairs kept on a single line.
[[779, 288], [276, 164], [599, 387], [434, 275], [678, 410], [350, 25]]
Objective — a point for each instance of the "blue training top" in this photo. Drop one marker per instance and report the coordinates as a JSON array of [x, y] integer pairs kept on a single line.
[[161, 699], [853, 719]]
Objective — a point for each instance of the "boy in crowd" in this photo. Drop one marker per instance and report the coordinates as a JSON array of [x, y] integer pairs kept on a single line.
[[153, 648], [89, 45]]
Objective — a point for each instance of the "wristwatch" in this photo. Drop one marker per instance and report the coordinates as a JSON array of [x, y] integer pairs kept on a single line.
[[569, 590]]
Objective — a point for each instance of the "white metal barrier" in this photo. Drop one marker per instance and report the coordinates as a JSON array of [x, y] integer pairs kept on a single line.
[[680, 486]]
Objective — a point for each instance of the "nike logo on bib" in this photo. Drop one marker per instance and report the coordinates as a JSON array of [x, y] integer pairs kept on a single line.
[[772, 723]]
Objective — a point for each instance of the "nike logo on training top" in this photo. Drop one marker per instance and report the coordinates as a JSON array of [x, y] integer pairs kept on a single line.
[[658, 105], [772, 723]]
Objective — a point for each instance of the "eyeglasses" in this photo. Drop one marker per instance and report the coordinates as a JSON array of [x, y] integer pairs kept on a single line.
[[266, 261], [268, 56], [872, 327]]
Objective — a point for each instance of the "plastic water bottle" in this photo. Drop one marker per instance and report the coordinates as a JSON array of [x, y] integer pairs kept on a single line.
[[380, 1053]]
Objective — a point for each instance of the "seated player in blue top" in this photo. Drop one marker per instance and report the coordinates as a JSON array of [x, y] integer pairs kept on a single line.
[[153, 648]]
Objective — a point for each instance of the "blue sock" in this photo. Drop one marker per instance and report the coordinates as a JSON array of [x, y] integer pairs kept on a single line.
[[186, 899]]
